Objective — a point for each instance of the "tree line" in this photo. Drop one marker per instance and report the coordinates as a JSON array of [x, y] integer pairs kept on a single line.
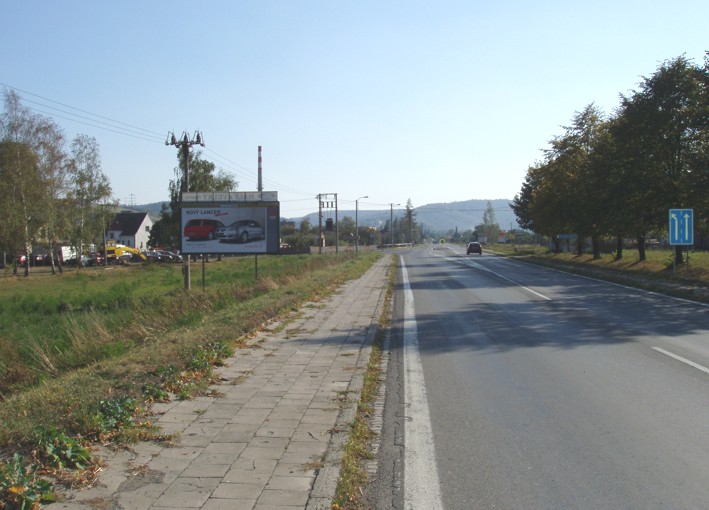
[[203, 176], [52, 194], [396, 229], [48, 192], [615, 177]]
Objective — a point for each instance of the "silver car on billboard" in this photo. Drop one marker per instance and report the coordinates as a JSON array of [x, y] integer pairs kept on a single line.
[[240, 231]]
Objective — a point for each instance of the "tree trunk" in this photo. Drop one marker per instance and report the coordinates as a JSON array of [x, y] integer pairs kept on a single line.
[[679, 255], [28, 245], [28, 251], [596, 247], [579, 246], [641, 248], [52, 250], [619, 248]]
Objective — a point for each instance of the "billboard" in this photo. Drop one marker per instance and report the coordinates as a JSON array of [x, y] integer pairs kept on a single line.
[[230, 222]]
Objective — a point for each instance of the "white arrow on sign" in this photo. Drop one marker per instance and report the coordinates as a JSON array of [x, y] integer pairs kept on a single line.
[[681, 224], [686, 226]]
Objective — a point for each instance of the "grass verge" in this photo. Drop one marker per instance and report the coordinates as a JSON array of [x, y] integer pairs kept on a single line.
[[656, 273], [47, 428], [353, 474]]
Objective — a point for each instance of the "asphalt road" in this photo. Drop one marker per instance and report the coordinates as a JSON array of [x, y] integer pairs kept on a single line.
[[516, 387]]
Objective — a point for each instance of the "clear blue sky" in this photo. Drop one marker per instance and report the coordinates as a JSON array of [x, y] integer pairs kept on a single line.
[[433, 101]]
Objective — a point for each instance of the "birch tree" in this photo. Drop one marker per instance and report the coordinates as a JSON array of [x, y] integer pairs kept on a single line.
[[90, 191], [31, 175]]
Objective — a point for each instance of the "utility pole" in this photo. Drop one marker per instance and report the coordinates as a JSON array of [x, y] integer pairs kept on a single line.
[[320, 237], [357, 222], [185, 144], [324, 201]]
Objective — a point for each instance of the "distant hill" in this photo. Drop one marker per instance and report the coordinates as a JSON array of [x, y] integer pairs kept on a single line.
[[153, 209], [440, 217]]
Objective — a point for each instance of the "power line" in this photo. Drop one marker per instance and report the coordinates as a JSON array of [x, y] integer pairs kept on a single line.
[[94, 125], [133, 131], [80, 110], [250, 177], [114, 128]]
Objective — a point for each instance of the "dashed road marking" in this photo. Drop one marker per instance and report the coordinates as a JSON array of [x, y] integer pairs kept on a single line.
[[683, 360]]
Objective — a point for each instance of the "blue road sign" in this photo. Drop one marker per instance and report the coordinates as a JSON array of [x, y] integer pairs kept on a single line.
[[681, 226]]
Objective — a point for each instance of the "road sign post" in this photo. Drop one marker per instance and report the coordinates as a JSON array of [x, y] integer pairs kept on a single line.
[[681, 227]]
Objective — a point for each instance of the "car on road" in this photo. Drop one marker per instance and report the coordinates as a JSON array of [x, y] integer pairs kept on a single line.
[[474, 247], [242, 230], [201, 228]]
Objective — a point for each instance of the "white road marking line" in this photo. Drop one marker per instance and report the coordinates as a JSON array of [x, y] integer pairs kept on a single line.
[[421, 483], [683, 360], [483, 268]]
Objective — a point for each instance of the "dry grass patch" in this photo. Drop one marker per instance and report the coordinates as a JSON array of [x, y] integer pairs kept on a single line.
[[353, 474], [168, 347]]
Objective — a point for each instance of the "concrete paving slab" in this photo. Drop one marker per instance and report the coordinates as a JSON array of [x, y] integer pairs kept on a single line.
[[273, 438]]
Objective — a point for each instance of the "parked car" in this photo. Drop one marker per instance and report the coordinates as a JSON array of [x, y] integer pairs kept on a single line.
[[96, 259], [40, 259], [242, 230], [83, 261], [201, 228], [168, 256], [153, 256], [474, 247]]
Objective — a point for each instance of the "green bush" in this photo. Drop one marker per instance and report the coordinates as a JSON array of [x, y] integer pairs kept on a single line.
[[63, 451], [116, 413], [21, 487]]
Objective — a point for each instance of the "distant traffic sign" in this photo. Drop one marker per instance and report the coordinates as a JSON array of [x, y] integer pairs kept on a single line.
[[681, 226]]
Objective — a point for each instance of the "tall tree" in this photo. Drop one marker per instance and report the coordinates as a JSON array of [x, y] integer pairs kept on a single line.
[[606, 188], [203, 176], [31, 174], [408, 223], [489, 227], [523, 204], [662, 135], [580, 183], [346, 229], [90, 192]]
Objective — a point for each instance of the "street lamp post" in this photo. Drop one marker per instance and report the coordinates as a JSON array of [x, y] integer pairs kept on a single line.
[[357, 223]]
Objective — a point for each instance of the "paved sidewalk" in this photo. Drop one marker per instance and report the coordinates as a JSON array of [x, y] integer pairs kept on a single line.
[[273, 438]]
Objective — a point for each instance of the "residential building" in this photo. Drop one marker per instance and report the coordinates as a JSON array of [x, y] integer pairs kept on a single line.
[[131, 229]]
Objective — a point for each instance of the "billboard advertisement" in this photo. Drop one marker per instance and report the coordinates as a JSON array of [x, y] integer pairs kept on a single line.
[[230, 223]]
